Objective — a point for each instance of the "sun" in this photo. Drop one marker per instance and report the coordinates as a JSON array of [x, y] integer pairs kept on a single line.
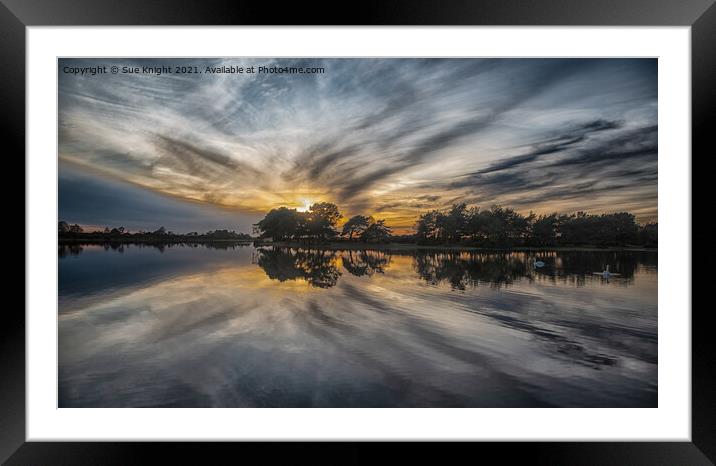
[[306, 205]]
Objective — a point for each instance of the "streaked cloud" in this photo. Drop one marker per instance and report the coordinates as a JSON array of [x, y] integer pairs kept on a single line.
[[389, 137]]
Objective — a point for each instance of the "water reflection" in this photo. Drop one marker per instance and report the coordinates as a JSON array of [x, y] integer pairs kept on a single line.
[[469, 269], [195, 325], [75, 249], [317, 267], [360, 263], [320, 268], [65, 250], [459, 269]]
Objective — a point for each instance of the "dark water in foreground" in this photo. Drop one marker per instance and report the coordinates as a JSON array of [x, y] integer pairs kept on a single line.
[[196, 326]]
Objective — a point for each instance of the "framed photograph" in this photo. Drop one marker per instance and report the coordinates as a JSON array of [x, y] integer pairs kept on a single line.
[[426, 223]]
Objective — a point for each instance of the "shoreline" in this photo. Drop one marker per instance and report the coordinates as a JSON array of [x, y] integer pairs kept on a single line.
[[353, 246], [148, 241], [450, 247]]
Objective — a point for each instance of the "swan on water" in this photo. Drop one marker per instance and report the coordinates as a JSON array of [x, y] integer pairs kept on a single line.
[[606, 273]]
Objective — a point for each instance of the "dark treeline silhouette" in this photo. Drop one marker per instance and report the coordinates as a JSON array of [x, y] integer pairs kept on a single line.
[[318, 223], [460, 270], [366, 229], [497, 227], [160, 235], [503, 227]]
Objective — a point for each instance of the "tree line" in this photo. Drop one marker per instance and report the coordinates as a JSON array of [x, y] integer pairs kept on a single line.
[[504, 227], [319, 223], [75, 231], [460, 224]]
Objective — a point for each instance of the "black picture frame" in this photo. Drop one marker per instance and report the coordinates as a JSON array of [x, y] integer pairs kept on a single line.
[[16, 15]]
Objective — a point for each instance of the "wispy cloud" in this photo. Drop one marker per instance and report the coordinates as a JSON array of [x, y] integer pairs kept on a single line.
[[375, 135]]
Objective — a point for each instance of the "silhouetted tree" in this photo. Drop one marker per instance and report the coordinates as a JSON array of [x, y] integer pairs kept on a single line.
[[504, 227], [606, 229], [648, 235], [428, 226], [378, 231], [279, 224], [223, 235], [64, 228], [356, 225], [453, 222], [284, 223], [477, 222], [544, 230], [322, 219]]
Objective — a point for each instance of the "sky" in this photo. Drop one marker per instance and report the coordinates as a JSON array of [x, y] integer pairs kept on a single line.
[[389, 137]]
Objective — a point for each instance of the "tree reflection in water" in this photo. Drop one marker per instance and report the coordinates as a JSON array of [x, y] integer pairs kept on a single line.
[[75, 249], [361, 263], [317, 267], [65, 250], [298, 327], [469, 269], [458, 269], [320, 267], [461, 269]]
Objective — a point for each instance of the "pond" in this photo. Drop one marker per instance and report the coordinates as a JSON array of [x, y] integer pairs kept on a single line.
[[238, 326]]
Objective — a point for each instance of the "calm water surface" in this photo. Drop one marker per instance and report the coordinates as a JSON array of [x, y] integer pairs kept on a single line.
[[198, 326]]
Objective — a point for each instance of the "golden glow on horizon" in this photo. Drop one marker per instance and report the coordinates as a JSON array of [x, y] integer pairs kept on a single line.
[[307, 203], [399, 205], [388, 138]]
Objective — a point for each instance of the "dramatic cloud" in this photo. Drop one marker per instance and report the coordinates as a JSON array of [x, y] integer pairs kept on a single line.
[[95, 201], [388, 137]]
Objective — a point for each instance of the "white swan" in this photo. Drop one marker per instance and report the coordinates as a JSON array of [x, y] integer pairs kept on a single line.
[[606, 273]]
